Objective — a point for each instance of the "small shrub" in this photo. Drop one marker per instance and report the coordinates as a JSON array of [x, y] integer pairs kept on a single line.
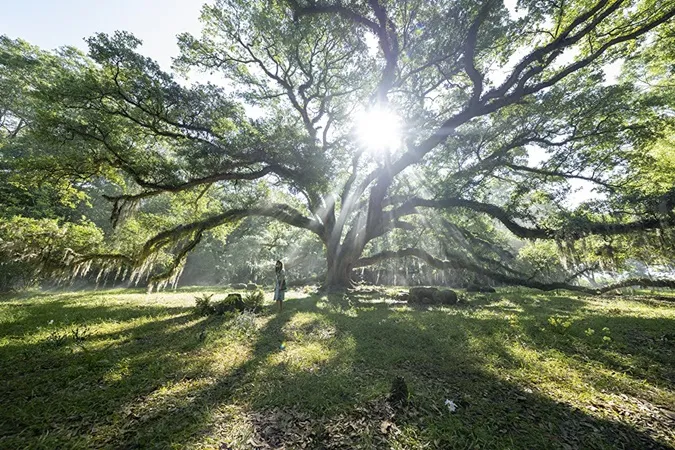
[[254, 300], [203, 305], [560, 323], [56, 338], [235, 301], [80, 334]]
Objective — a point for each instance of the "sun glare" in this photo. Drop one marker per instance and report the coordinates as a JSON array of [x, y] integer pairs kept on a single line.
[[379, 129]]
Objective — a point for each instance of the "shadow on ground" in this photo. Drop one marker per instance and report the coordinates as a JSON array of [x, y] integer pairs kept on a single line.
[[163, 377]]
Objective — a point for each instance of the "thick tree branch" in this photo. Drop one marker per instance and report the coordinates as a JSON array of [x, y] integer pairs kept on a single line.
[[470, 53], [498, 99], [352, 177], [409, 207], [384, 29], [554, 47], [554, 173], [280, 212], [589, 228], [522, 90], [158, 188], [504, 278], [176, 263], [315, 9]]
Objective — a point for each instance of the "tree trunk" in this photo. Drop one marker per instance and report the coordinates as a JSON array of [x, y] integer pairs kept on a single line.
[[338, 276], [338, 269]]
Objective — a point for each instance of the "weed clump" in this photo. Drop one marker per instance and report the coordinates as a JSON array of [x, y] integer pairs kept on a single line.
[[253, 301], [398, 394]]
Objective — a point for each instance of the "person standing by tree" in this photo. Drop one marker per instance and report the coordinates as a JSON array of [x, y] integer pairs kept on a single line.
[[279, 284]]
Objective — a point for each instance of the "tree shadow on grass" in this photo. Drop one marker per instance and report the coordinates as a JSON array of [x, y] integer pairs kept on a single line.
[[68, 294], [637, 346], [440, 359], [62, 389], [446, 357], [30, 316], [176, 425], [156, 386], [520, 301]]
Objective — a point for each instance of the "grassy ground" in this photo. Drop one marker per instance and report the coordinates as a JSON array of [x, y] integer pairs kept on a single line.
[[122, 369]]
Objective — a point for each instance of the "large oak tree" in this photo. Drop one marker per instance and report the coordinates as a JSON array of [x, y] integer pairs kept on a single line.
[[473, 86]]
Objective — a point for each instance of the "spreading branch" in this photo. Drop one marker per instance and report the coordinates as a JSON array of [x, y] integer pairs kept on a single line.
[[556, 173], [505, 96], [459, 263], [470, 53], [506, 218], [278, 211]]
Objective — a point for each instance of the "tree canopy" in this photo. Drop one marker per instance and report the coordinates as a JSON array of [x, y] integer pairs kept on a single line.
[[487, 117]]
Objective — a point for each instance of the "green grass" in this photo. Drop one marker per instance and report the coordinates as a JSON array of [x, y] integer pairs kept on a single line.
[[122, 369]]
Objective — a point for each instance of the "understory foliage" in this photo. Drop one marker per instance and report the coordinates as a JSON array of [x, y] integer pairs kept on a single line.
[[497, 116], [34, 250], [251, 301]]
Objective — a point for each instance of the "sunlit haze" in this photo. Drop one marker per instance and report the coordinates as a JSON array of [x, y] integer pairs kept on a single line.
[[378, 129]]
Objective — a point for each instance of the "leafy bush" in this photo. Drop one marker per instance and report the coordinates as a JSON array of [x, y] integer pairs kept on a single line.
[[254, 300], [231, 303], [203, 305], [36, 250]]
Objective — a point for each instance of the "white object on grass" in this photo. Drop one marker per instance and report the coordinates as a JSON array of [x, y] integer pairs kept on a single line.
[[452, 406]]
